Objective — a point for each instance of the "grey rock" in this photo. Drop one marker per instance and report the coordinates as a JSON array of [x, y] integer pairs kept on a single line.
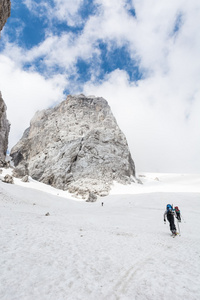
[[91, 198], [8, 179], [139, 181], [25, 179], [76, 146], [5, 164], [4, 132], [5, 7]]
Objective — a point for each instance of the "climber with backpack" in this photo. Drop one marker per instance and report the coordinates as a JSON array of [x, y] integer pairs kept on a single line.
[[170, 217], [178, 213]]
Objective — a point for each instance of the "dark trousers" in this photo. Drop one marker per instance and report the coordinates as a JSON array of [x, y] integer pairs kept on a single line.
[[170, 218], [178, 215]]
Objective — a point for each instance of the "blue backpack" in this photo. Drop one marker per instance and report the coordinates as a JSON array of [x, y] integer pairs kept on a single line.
[[169, 208]]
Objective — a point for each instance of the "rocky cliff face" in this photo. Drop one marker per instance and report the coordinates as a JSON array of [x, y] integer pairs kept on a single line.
[[5, 6], [76, 146], [4, 131]]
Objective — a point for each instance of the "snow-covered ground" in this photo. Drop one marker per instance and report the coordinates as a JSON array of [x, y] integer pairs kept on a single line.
[[85, 251]]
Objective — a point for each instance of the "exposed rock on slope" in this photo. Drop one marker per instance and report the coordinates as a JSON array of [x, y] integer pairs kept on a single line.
[[5, 6], [4, 131], [76, 146]]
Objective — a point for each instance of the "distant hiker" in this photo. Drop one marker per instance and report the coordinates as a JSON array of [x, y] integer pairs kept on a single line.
[[178, 213], [170, 217], [101, 203]]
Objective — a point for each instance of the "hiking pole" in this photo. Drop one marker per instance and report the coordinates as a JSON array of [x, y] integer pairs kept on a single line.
[[179, 232]]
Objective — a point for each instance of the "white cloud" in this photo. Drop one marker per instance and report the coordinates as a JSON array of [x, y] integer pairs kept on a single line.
[[25, 93], [55, 51], [68, 11], [61, 10], [158, 134], [111, 24]]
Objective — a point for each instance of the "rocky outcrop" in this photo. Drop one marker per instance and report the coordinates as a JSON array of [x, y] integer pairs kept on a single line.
[[5, 7], [76, 146], [4, 131], [8, 179]]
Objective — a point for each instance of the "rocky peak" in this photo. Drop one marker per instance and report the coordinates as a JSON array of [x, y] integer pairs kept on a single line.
[[5, 7], [76, 146]]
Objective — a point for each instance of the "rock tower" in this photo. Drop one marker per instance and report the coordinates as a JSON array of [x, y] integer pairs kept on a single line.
[[76, 146]]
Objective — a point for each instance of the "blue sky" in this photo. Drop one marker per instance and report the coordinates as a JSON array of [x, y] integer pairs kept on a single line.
[[142, 56], [30, 25]]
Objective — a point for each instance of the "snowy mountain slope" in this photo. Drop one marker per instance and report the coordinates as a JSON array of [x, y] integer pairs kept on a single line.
[[121, 250]]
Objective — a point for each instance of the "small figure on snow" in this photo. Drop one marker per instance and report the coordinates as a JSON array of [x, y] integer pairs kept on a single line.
[[170, 217], [178, 213]]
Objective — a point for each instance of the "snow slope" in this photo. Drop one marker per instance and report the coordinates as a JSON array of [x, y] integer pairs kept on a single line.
[[86, 251]]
